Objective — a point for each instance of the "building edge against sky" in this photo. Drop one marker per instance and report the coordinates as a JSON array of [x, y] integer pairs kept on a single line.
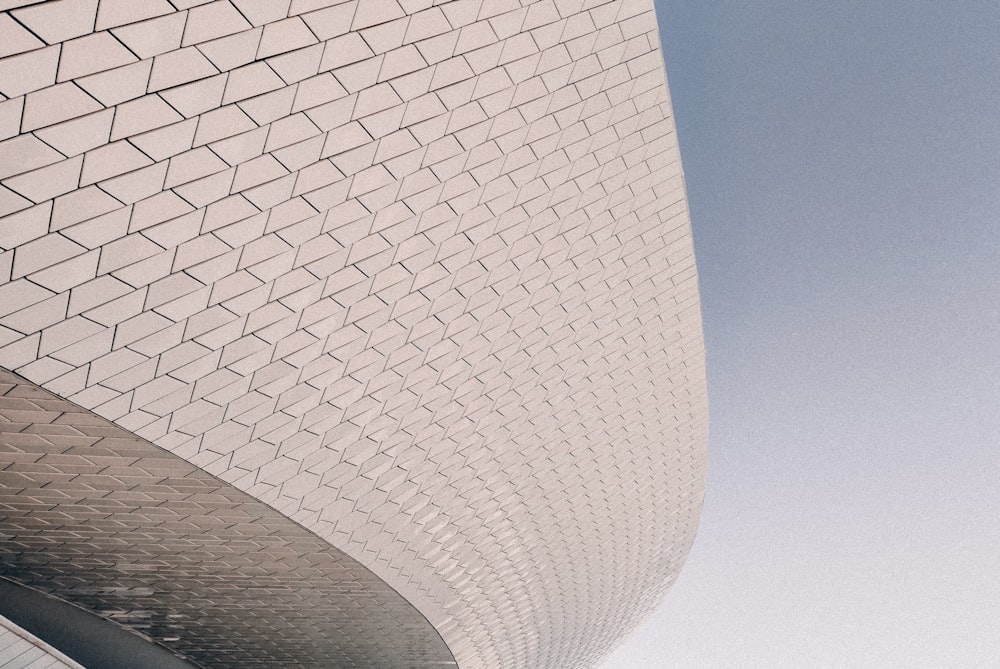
[[410, 285]]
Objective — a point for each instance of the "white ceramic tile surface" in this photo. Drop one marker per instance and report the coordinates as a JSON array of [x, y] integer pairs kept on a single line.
[[418, 275]]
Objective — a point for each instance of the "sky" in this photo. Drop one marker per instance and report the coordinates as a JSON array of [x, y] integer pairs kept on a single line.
[[842, 161]]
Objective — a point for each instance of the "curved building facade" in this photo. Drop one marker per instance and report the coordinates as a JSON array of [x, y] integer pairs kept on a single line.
[[346, 333]]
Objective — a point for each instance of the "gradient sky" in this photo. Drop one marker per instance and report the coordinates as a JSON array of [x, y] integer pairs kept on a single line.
[[843, 169]]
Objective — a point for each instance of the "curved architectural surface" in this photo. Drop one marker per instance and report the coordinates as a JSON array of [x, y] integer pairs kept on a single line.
[[102, 519], [19, 648], [88, 639], [416, 276]]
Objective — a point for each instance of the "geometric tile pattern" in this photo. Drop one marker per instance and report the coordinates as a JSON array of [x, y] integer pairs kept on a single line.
[[416, 274], [98, 517], [21, 650]]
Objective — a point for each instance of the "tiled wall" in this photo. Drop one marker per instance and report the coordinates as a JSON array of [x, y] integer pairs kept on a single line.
[[95, 516], [18, 650], [418, 275]]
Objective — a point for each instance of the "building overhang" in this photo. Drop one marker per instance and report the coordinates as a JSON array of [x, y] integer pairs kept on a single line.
[[105, 521]]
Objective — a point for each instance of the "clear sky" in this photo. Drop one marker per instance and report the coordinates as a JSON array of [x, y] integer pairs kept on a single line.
[[843, 172]]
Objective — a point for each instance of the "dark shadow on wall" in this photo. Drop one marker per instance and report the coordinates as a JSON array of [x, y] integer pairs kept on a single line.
[[92, 641]]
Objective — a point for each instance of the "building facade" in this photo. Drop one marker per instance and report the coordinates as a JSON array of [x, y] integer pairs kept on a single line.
[[346, 333]]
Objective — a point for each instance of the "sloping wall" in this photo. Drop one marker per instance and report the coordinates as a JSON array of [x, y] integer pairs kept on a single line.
[[417, 275]]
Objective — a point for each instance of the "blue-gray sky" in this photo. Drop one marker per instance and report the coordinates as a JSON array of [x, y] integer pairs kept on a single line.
[[843, 170]]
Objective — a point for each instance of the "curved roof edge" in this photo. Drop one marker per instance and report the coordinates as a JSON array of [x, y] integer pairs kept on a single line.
[[76, 638], [117, 526]]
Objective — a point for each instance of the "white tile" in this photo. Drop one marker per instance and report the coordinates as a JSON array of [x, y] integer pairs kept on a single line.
[[118, 85], [125, 251], [268, 195], [24, 226], [229, 210], [78, 135], [257, 171], [100, 229], [212, 20], [106, 300], [90, 54], [399, 62], [316, 91], [297, 65], [138, 327], [207, 271], [203, 192], [260, 13], [290, 130], [54, 104], [301, 154], [287, 35], [147, 270], [345, 138], [59, 21], [38, 316], [242, 232], [154, 36], [332, 21], [221, 123], [228, 53], [68, 274], [165, 142], [192, 165], [141, 115], [28, 71], [264, 109], [171, 288], [345, 50], [10, 117], [136, 185], [289, 213], [333, 114], [113, 363], [198, 250], [302, 6], [24, 153], [14, 38], [197, 97], [375, 99], [111, 160], [179, 67], [80, 205], [384, 122], [157, 209], [176, 231], [426, 24], [373, 12], [316, 176], [250, 80], [508, 23], [42, 253], [114, 13], [48, 182], [20, 293]]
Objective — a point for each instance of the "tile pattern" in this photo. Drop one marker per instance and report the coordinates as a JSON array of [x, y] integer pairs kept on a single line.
[[21, 650], [100, 518], [417, 274]]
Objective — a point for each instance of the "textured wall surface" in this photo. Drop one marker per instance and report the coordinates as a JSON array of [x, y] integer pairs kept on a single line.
[[417, 275], [100, 518], [19, 649]]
